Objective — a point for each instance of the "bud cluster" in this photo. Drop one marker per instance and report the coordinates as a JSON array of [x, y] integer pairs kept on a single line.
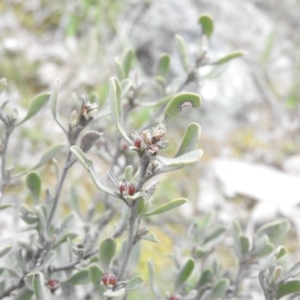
[[151, 142], [127, 188]]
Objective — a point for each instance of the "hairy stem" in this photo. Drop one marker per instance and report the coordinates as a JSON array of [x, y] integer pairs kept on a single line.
[[144, 162]]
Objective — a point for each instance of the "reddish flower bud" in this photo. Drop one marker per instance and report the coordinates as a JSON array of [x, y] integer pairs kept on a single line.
[[53, 285], [127, 187], [138, 142], [175, 297], [109, 280]]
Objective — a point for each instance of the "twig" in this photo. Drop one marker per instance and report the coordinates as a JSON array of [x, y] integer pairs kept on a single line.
[[9, 290]]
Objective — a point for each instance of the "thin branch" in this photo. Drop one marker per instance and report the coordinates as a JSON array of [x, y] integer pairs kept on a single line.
[[8, 291]]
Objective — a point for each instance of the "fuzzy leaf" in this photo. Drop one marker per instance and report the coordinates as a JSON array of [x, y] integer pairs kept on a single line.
[[150, 237], [37, 103], [89, 166], [182, 52], [38, 286], [178, 103], [129, 173], [262, 246], [163, 66], [107, 250], [200, 253], [95, 274], [115, 93], [207, 24], [228, 57], [170, 164], [5, 250], [168, 206], [53, 101], [80, 277], [273, 257], [110, 293], [219, 289], [190, 139], [293, 271], [24, 294], [244, 244], [151, 270], [274, 229], [135, 283], [126, 84], [5, 206], [34, 183], [120, 69], [206, 277], [214, 233], [88, 140], [287, 287], [127, 62], [184, 273]]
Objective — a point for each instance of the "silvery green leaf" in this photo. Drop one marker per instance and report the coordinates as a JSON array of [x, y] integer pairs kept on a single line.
[[13, 272], [274, 229], [167, 206], [120, 69], [21, 261], [53, 100], [42, 221], [214, 233], [184, 273], [219, 289], [64, 238], [262, 246], [5, 206], [178, 103], [129, 173], [5, 250], [150, 237], [88, 165], [88, 140], [79, 277], [273, 257], [128, 61], [228, 57], [66, 224], [115, 93], [287, 287], [159, 102], [200, 253], [126, 84], [114, 293], [206, 277], [95, 274], [190, 139], [107, 250], [135, 283], [47, 156], [207, 24], [182, 52], [34, 183], [292, 272], [38, 286], [191, 295], [50, 258], [170, 164], [163, 66], [36, 104], [24, 294], [152, 279]]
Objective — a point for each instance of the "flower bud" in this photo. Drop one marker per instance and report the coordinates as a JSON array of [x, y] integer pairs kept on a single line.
[[138, 142], [175, 297], [53, 285], [109, 280]]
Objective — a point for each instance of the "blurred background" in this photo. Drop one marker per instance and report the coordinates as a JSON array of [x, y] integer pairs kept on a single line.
[[250, 116]]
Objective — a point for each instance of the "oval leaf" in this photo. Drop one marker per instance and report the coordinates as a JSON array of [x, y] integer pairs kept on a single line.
[[135, 283], [274, 229], [182, 52], [24, 294], [89, 166], [151, 270], [88, 140], [150, 237], [190, 139], [163, 65], [219, 289], [207, 24], [6, 205], [107, 250], [178, 103], [38, 286], [5, 250], [128, 61], [34, 183], [288, 287], [96, 274], [37, 103], [80, 277], [184, 273], [228, 57], [166, 207]]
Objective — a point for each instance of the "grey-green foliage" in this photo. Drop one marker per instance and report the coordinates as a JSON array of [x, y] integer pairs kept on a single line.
[[129, 155]]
